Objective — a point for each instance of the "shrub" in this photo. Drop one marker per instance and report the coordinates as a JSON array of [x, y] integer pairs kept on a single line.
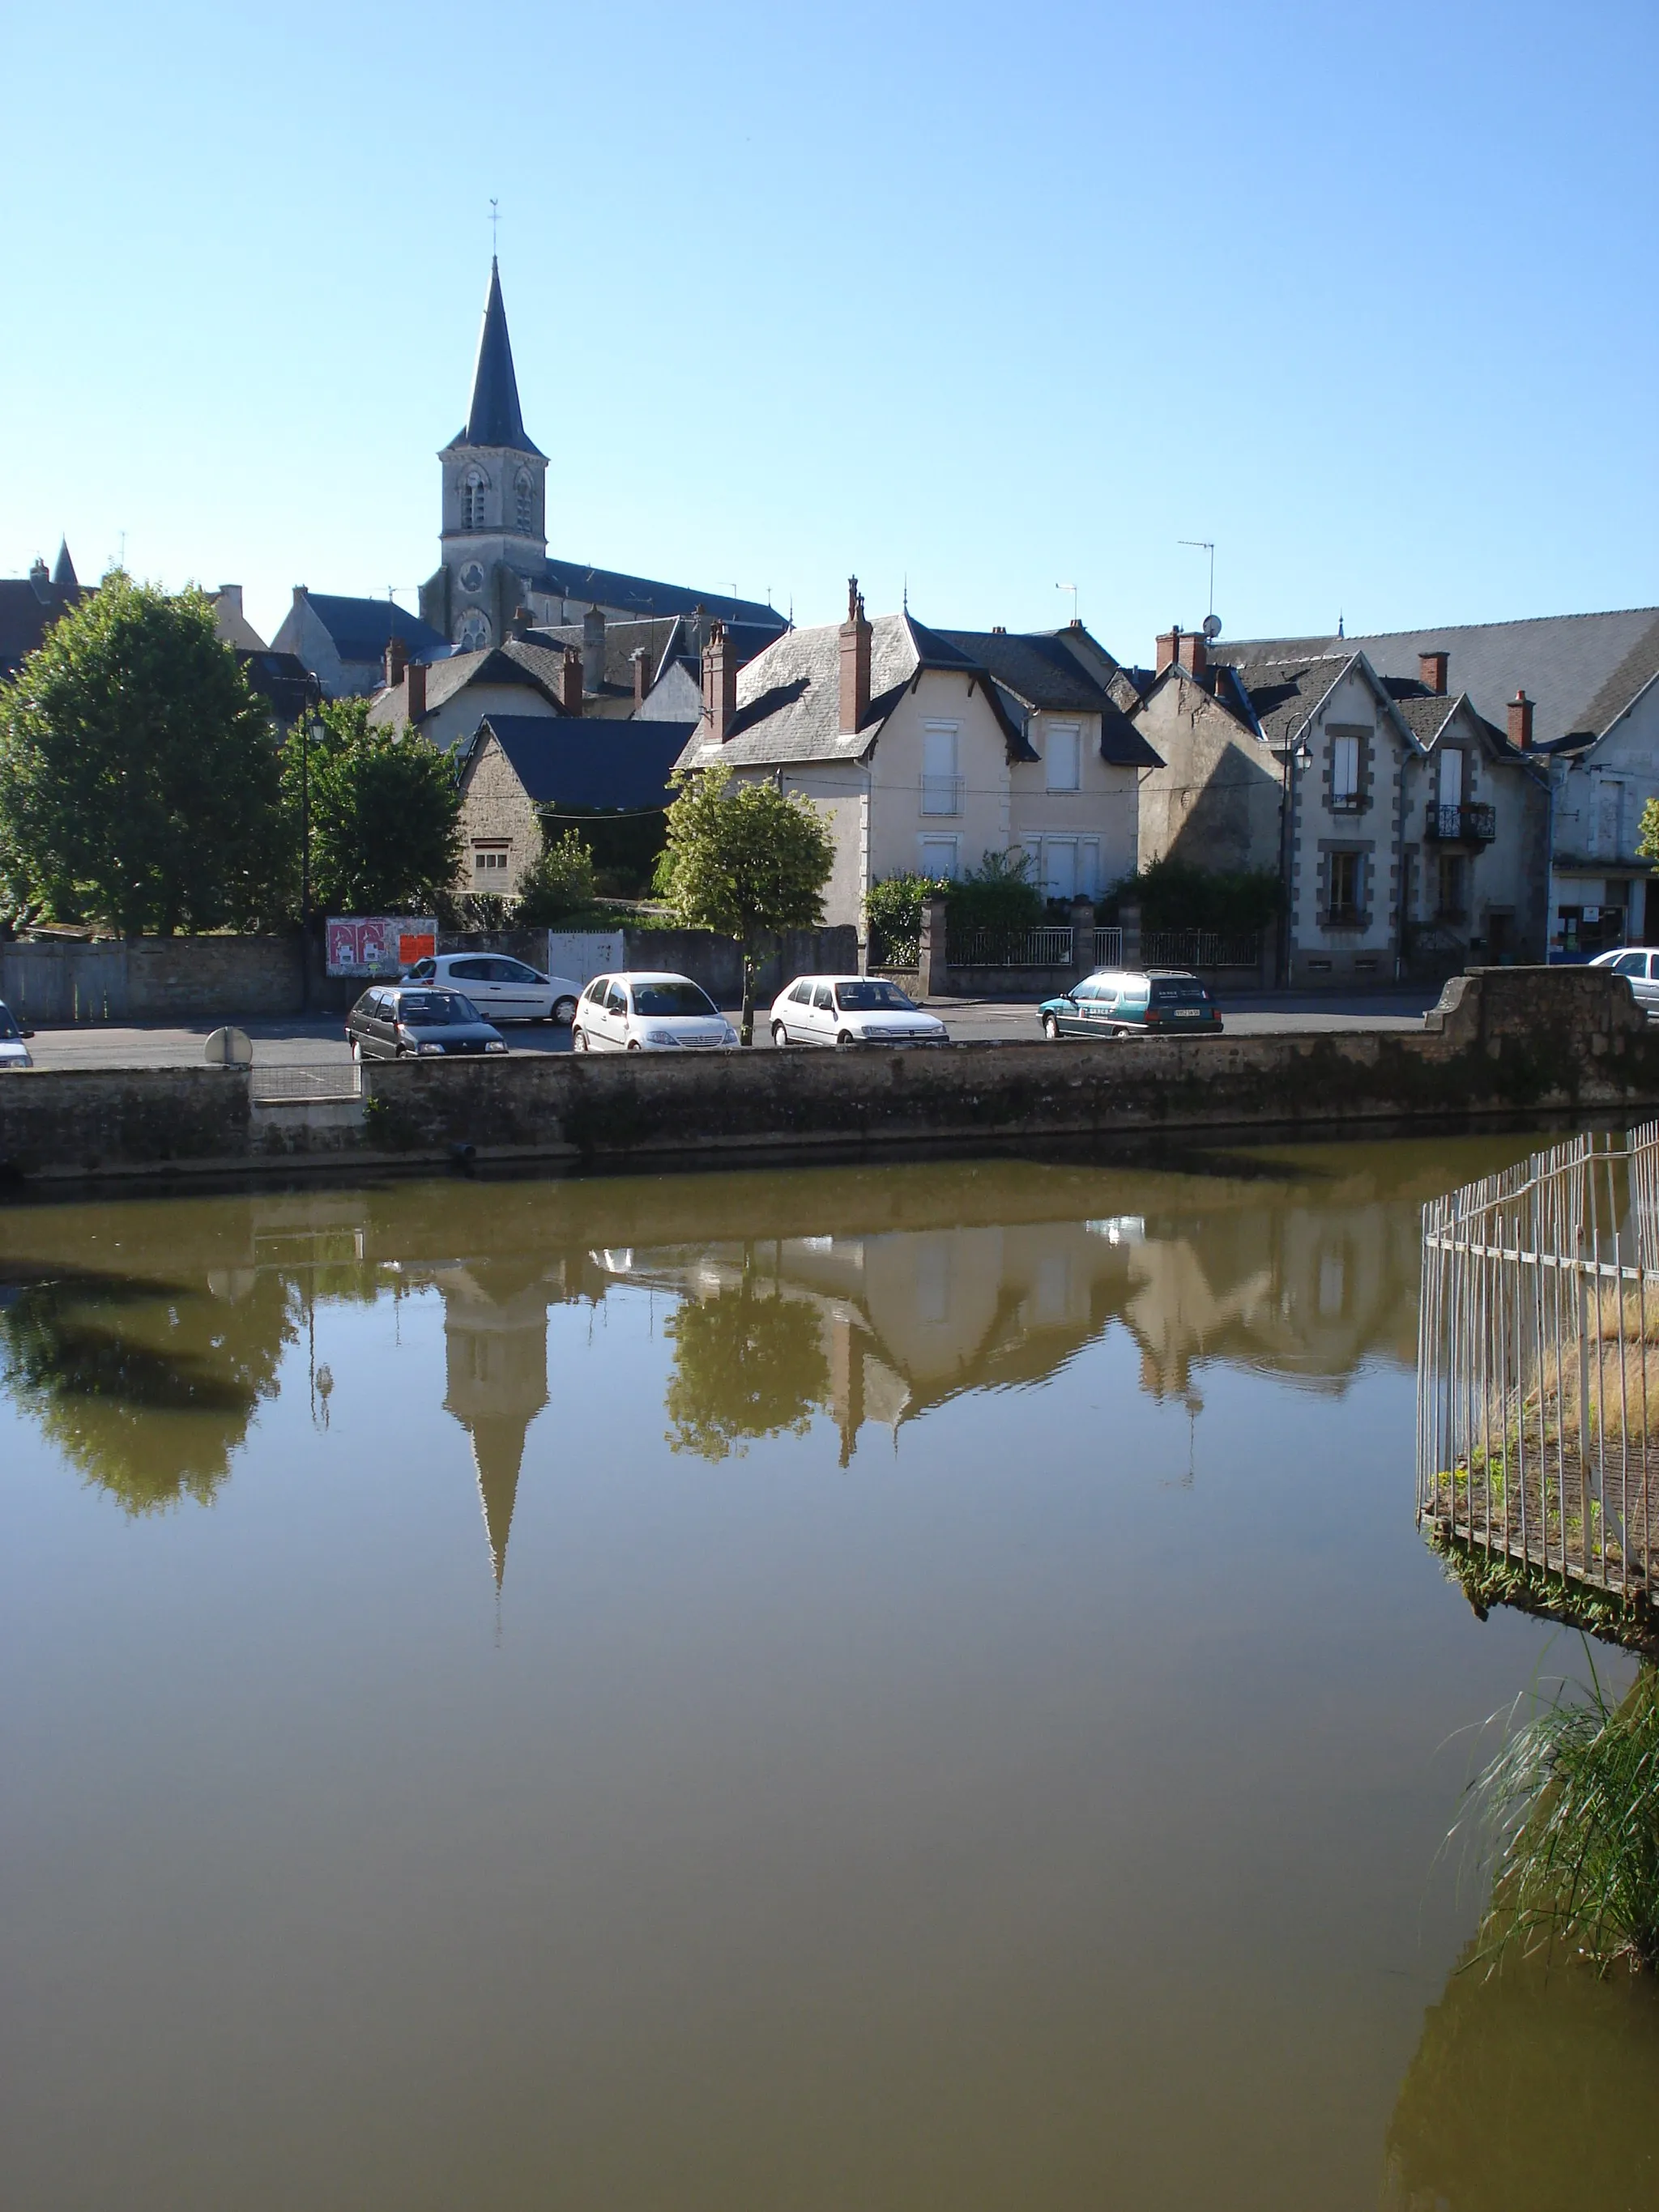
[[1175, 895], [998, 893], [558, 883]]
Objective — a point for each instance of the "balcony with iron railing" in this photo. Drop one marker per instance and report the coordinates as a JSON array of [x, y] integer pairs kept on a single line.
[[1461, 826], [941, 794]]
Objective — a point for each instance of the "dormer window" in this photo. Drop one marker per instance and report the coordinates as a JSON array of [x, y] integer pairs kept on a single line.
[[474, 484], [525, 500]]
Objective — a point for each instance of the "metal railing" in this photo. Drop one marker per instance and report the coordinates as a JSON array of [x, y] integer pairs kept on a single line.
[[1462, 825], [941, 794], [1538, 1363], [1010, 948], [1107, 951], [1200, 948], [288, 1082]]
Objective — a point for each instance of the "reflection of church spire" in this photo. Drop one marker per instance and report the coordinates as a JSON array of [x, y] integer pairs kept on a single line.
[[495, 1350]]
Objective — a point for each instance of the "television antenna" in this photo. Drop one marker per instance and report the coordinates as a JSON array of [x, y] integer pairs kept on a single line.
[[1071, 588], [1205, 545]]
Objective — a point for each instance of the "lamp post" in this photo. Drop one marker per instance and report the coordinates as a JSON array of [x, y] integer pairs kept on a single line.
[[1296, 758], [310, 724]]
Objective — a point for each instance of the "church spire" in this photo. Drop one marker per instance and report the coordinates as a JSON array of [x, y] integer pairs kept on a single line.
[[64, 570], [493, 418]]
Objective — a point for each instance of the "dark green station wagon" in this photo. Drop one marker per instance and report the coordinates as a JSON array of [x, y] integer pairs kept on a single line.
[[1122, 1002]]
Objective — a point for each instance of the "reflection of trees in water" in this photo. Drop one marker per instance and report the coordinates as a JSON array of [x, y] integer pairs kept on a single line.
[[147, 1387], [1534, 2089], [748, 1362]]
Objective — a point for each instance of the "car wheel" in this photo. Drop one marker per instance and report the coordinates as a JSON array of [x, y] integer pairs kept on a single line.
[[578, 1039], [843, 1039], [633, 1044], [1051, 1028], [564, 1013], [779, 1035]]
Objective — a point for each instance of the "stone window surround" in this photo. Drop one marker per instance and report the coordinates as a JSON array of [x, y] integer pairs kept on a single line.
[[1366, 848], [1366, 734]]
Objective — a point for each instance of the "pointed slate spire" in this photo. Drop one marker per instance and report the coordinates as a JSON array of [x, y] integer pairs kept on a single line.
[[498, 1454], [493, 418], [64, 570]]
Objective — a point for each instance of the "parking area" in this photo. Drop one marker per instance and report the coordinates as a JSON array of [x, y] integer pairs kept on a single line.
[[321, 1041]]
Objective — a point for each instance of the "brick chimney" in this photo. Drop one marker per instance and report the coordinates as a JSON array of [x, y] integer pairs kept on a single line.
[[1520, 721], [396, 660], [40, 578], [594, 646], [1431, 669], [855, 661], [570, 681], [1192, 650], [641, 676], [416, 675], [720, 685], [1169, 648]]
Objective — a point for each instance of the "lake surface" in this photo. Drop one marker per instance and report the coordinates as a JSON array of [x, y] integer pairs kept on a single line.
[[906, 1687]]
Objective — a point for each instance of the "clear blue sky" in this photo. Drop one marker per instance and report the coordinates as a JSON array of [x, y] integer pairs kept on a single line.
[[988, 298]]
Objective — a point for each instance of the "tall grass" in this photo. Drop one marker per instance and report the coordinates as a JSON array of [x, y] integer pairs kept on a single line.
[[1567, 1820]]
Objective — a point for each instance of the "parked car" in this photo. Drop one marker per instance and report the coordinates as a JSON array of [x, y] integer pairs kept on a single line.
[[1127, 1002], [13, 1048], [502, 990], [1641, 970], [402, 1021], [851, 1010], [647, 1012]]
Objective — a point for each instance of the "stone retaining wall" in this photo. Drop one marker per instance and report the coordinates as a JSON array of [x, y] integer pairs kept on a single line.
[[1504, 1042]]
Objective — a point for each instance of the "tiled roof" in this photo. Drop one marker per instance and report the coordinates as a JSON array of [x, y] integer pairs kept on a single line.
[[281, 678], [1580, 671], [1043, 676], [582, 585], [517, 660], [27, 610], [789, 697], [622, 639], [362, 628], [1283, 692], [606, 767], [494, 418]]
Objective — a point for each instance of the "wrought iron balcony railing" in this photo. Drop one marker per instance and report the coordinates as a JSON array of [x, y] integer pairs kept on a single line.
[[1462, 825]]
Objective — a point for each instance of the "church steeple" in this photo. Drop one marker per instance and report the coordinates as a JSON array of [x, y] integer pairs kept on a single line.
[[494, 417], [63, 569]]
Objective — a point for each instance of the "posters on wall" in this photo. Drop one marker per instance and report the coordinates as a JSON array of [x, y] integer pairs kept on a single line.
[[383, 944]]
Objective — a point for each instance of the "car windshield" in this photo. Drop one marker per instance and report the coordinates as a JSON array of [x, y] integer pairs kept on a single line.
[[435, 1010], [1179, 991], [868, 997], [672, 998], [9, 1028]]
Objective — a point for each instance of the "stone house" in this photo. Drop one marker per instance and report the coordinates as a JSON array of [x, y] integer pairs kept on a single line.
[[446, 700], [926, 751], [30, 604], [344, 641], [599, 777]]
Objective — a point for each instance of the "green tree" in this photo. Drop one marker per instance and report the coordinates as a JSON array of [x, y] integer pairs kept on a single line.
[[385, 814], [558, 882], [747, 862], [138, 774], [1647, 842]]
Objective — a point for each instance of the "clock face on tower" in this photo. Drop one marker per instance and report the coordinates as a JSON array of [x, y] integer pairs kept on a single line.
[[472, 576]]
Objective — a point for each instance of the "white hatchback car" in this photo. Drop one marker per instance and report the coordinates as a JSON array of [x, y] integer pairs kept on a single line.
[[637, 1011], [1641, 969], [502, 990], [14, 1050], [851, 1010]]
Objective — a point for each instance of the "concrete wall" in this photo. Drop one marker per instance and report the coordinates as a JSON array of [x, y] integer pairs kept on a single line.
[[1504, 1043], [716, 962], [151, 979]]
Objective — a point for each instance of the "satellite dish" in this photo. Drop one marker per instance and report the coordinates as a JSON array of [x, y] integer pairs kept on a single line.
[[1213, 627]]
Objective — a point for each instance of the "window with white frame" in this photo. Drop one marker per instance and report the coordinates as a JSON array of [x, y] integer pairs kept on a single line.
[[1344, 774], [490, 866], [937, 856], [1065, 756], [941, 784]]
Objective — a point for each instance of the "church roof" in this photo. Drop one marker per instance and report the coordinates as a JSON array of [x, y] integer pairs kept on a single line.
[[494, 417], [362, 628], [584, 586]]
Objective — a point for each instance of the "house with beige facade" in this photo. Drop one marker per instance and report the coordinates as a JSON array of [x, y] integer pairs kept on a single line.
[[926, 751]]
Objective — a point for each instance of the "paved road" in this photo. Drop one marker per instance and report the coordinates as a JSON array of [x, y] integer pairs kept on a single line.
[[306, 1042]]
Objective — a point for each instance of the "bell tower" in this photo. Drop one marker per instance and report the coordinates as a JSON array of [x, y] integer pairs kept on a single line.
[[494, 537]]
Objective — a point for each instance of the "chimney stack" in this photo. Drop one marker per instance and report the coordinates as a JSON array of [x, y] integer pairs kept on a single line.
[[854, 662], [1521, 722], [523, 621], [594, 647], [397, 660], [417, 674], [1192, 650], [40, 577], [719, 684], [1169, 647], [1432, 667], [641, 661], [570, 681]]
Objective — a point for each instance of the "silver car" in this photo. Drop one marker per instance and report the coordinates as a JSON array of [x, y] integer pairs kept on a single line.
[[1641, 969], [851, 1010], [13, 1049]]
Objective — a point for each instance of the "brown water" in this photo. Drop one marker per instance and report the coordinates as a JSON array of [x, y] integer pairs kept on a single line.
[[905, 1688]]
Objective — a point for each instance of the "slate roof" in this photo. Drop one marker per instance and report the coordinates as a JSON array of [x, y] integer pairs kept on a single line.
[[582, 584], [63, 568], [281, 678], [789, 697], [1283, 690], [362, 628], [29, 608], [1580, 671], [494, 417], [516, 660], [746, 638], [1039, 671], [603, 767]]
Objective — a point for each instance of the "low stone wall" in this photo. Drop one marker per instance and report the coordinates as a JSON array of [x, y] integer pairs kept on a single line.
[[151, 979], [716, 962], [1504, 1042]]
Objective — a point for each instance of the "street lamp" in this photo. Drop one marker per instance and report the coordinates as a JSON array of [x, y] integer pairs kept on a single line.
[[1296, 758], [310, 724]]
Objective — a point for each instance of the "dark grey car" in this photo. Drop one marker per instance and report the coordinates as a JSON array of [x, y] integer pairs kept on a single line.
[[396, 1022]]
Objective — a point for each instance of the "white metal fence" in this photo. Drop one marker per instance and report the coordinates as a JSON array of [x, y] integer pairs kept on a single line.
[[1538, 1367], [287, 1082], [1107, 951], [1010, 948]]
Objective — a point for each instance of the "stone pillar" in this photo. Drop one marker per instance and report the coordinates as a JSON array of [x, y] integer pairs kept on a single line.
[[930, 982], [1083, 938], [1128, 917]]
